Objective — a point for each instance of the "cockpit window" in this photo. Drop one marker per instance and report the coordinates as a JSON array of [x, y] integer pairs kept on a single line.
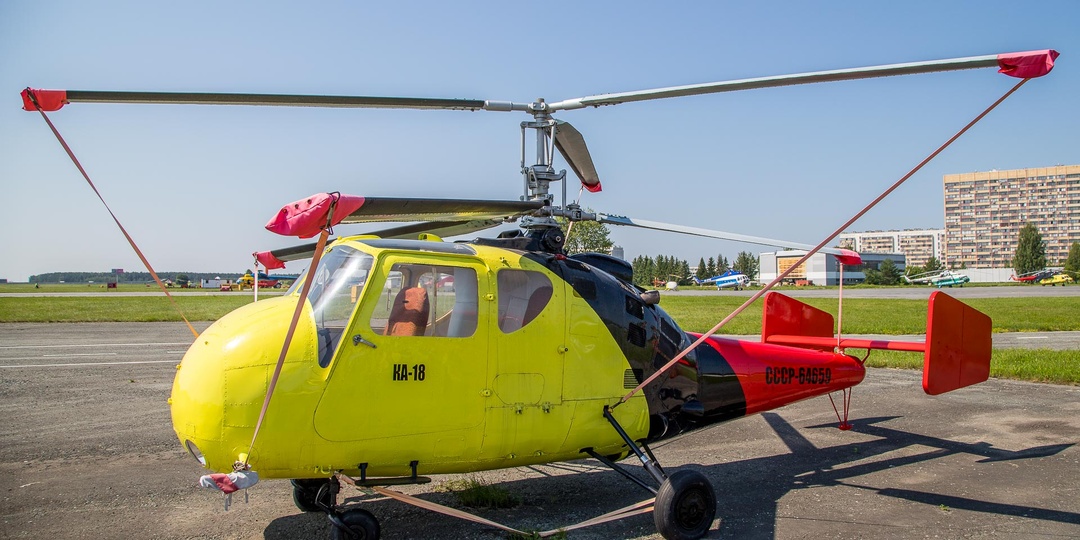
[[523, 294], [427, 300], [335, 287]]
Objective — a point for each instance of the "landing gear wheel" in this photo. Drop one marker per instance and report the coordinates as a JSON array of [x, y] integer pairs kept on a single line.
[[360, 525], [309, 493], [685, 506]]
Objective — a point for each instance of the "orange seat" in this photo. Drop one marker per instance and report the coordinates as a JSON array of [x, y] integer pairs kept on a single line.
[[409, 314]]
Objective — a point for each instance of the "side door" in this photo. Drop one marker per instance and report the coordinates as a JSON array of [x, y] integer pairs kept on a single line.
[[526, 417], [414, 360]]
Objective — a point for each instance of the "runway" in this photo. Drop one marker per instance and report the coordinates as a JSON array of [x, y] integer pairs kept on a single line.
[[88, 452]]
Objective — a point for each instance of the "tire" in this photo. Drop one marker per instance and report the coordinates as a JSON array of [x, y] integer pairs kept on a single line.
[[685, 506], [305, 492], [361, 523]]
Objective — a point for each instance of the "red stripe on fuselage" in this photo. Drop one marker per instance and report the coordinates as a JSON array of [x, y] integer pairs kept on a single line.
[[774, 375]]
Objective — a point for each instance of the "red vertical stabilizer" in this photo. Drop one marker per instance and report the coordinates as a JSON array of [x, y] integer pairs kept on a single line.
[[958, 345], [784, 315]]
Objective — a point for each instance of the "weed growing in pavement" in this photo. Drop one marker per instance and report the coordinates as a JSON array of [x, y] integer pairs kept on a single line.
[[475, 493]]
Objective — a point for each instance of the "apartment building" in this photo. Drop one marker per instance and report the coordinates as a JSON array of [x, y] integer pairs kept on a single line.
[[984, 212], [917, 245]]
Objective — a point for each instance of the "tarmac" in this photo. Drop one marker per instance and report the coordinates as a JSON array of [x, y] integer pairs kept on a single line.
[[88, 451]]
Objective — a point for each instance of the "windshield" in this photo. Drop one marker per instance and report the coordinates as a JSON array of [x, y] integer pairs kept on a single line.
[[335, 288]]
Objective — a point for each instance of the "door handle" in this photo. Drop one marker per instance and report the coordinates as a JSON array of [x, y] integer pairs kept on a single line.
[[358, 339]]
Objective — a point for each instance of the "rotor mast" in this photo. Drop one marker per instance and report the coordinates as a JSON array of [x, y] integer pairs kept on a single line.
[[538, 176]]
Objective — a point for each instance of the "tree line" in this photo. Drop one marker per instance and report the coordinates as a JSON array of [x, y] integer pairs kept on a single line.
[[670, 268]]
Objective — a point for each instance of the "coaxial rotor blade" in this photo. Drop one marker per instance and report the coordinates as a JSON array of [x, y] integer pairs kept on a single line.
[[1015, 64], [608, 219], [573, 149], [276, 258], [398, 209], [308, 216], [438, 228], [51, 100]]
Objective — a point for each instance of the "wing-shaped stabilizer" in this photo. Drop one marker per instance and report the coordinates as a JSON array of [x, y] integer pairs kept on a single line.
[[571, 145]]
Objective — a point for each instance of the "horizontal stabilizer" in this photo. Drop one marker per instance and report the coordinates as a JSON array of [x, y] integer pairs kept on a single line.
[[956, 352], [786, 317]]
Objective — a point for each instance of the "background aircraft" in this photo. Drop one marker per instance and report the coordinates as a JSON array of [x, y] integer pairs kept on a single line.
[[729, 279], [949, 278], [1033, 277], [1060, 277]]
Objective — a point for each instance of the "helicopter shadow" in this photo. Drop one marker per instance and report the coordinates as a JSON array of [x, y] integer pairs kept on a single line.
[[748, 490], [753, 513]]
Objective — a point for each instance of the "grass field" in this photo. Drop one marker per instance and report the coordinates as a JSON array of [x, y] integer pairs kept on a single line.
[[880, 316], [694, 313]]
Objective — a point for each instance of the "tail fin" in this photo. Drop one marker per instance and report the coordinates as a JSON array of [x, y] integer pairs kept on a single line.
[[958, 345], [956, 352]]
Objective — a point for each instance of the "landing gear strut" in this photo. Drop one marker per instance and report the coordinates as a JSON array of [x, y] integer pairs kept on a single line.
[[685, 503], [314, 494]]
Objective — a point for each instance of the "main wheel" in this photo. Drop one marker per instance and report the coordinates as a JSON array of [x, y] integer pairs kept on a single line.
[[362, 525], [308, 493], [685, 506]]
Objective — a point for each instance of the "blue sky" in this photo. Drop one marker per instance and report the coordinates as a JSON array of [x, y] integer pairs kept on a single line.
[[195, 184]]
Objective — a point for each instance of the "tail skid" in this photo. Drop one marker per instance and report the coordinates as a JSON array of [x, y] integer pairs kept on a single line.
[[956, 352]]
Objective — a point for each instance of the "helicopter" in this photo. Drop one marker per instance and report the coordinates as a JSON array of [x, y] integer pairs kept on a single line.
[[399, 354], [730, 278], [937, 278], [1033, 276]]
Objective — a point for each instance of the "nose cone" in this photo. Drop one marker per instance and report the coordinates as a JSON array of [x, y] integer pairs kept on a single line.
[[221, 383]]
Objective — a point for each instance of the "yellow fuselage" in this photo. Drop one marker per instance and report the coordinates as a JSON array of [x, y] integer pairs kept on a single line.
[[492, 399]]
